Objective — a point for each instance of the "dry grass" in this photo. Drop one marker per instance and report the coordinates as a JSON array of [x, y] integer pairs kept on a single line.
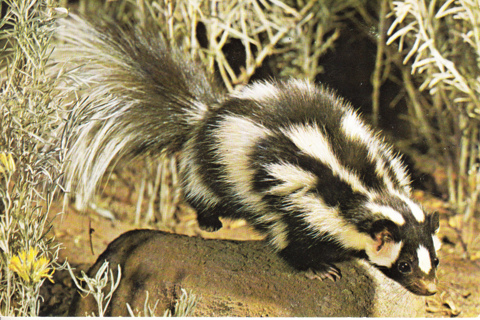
[[440, 43], [31, 160]]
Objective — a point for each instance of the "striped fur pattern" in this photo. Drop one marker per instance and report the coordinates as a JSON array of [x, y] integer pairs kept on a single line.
[[292, 158]]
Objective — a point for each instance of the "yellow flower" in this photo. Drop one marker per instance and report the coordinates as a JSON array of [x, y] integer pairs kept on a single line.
[[6, 163], [29, 268]]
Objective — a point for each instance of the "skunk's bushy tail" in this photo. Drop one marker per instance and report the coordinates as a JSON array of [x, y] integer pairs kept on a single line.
[[135, 94]]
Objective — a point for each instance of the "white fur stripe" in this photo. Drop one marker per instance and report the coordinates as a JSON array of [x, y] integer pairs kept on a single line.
[[388, 212], [356, 130], [264, 90], [194, 184], [311, 141], [293, 178], [258, 91], [197, 114], [386, 256], [237, 136], [304, 85], [424, 262], [267, 217], [415, 209], [437, 244], [278, 233], [323, 220]]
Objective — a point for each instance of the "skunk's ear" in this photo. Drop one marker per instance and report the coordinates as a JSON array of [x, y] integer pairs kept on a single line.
[[385, 228], [434, 225], [384, 248], [434, 221]]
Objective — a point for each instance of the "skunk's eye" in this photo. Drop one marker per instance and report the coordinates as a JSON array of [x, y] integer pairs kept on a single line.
[[436, 262], [404, 267]]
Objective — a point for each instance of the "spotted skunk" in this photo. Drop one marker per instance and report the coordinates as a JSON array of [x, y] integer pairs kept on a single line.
[[290, 157]]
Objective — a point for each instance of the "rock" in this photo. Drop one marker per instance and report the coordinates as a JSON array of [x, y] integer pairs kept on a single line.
[[239, 279]]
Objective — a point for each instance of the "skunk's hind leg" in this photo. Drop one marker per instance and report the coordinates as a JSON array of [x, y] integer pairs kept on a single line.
[[208, 222], [207, 216]]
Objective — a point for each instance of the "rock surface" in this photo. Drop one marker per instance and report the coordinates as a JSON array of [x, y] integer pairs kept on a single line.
[[234, 278]]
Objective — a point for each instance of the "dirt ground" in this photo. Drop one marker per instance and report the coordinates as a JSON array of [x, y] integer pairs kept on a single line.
[[85, 235]]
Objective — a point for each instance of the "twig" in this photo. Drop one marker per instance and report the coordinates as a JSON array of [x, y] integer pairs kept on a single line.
[[379, 62]]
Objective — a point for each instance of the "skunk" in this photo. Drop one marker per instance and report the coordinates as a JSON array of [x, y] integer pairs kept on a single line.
[[290, 157]]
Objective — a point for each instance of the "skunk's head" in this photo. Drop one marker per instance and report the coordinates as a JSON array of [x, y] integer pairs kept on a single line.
[[405, 249]]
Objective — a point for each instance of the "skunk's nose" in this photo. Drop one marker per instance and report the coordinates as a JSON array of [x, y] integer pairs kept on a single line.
[[427, 287], [424, 287], [431, 288]]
